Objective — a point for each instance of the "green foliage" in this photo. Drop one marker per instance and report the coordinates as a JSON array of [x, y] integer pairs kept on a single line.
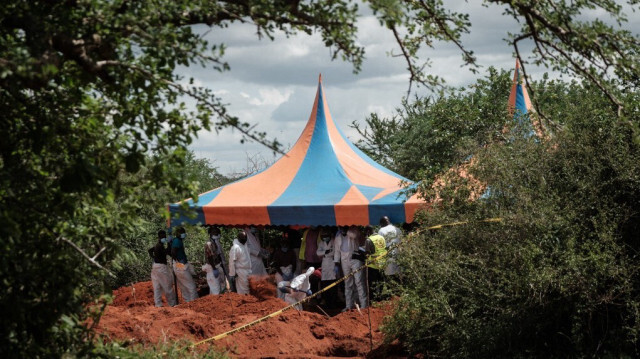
[[134, 264], [94, 129], [559, 276], [429, 136], [161, 350]]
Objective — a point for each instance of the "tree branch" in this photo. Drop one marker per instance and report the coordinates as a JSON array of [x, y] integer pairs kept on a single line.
[[467, 55], [90, 259], [221, 112], [413, 75]]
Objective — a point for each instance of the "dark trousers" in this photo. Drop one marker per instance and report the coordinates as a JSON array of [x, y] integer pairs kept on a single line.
[[374, 280], [331, 296]]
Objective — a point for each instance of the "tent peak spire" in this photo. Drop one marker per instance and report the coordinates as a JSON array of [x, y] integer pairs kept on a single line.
[[320, 77]]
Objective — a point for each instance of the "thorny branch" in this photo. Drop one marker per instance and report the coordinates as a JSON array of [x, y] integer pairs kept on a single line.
[[91, 260], [468, 55], [412, 71]]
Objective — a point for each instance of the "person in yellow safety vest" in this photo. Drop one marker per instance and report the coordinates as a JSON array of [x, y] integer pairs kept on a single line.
[[376, 267]]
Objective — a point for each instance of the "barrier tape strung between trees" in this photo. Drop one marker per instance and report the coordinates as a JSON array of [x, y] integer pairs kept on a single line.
[[369, 261]]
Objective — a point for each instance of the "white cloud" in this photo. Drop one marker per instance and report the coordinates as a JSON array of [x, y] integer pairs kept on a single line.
[[270, 97], [272, 83]]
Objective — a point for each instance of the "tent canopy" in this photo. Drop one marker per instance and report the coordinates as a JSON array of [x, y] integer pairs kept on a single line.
[[519, 102], [323, 180], [520, 106]]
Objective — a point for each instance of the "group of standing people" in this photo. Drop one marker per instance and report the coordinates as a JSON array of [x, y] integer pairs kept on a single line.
[[302, 265], [341, 252], [245, 259], [182, 271]]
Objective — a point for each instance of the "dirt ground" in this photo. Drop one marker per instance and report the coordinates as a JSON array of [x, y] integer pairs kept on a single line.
[[133, 317]]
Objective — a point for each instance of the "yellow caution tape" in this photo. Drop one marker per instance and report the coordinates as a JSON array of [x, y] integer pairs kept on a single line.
[[369, 261]]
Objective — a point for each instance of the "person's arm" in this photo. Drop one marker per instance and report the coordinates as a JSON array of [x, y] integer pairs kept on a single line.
[[208, 256], [336, 249], [370, 247]]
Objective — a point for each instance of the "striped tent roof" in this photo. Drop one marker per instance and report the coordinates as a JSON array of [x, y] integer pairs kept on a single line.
[[520, 104], [323, 180]]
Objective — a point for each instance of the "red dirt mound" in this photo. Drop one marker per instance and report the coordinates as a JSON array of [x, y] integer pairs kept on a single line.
[[133, 317]]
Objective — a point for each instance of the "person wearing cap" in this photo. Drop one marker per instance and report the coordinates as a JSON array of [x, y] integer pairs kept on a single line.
[[328, 273], [392, 236], [182, 268], [161, 276], [256, 251], [298, 289], [240, 263], [284, 260]]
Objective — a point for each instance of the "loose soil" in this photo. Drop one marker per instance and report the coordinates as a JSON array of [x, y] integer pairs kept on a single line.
[[310, 333]]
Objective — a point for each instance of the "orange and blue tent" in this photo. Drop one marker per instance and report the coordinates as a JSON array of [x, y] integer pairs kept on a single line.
[[519, 102], [323, 180], [519, 106]]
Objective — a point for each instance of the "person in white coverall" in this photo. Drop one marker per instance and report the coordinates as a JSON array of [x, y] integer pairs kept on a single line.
[[161, 276], [392, 236], [298, 289], [240, 263], [256, 252], [182, 268], [345, 243]]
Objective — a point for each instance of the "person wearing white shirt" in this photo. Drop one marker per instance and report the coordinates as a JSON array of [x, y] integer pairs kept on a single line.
[[297, 289], [329, 272], [240, 263], [344, 246], [392, 236], [256, 252]]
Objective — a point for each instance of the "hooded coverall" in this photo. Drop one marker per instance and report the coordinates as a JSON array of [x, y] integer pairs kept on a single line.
[[240, 266]]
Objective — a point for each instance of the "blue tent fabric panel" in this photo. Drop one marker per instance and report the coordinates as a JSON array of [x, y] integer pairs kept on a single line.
[[368, 191], [304, 214]]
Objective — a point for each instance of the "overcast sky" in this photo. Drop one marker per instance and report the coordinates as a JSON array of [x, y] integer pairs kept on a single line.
[[273, 83]]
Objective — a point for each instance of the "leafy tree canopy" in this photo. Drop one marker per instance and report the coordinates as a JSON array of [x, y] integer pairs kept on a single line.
[[88, 90], [558, 277]]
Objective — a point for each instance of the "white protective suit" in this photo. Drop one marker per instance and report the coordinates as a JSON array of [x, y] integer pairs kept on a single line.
[[162, 280], [240, 266], [256, 251], [212, 280], [299, 285], [184, 275], [392, 236], [344, 245], [327, 259]]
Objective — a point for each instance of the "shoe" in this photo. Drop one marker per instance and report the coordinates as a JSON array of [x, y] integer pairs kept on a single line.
[[345, 310]]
